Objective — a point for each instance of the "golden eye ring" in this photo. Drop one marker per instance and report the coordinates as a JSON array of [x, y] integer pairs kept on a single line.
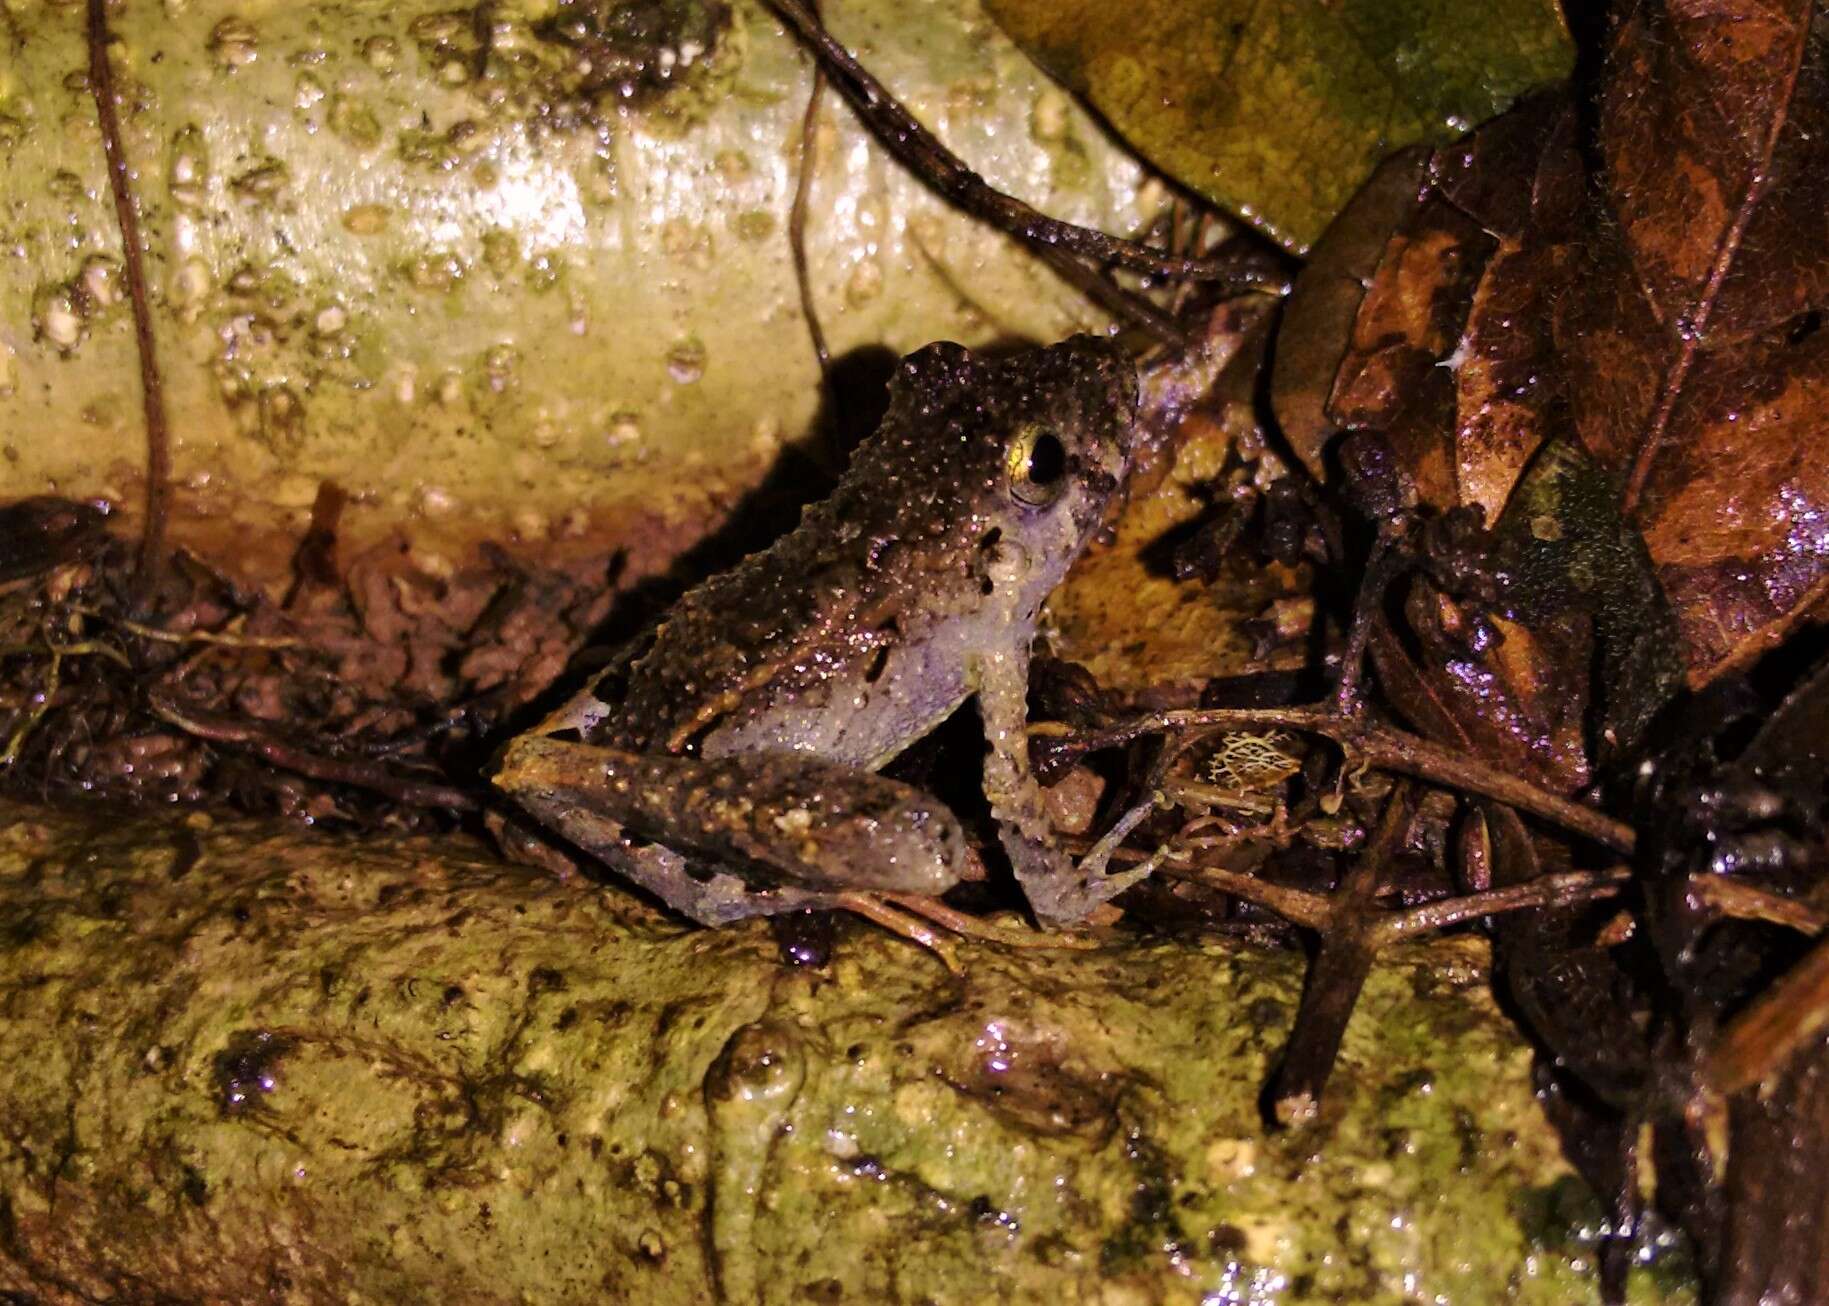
[[1037, 466]]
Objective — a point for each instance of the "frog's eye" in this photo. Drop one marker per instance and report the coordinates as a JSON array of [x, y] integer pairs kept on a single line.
[[1037, 466]]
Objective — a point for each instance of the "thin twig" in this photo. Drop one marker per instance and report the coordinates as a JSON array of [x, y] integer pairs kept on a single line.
[[797, 217], [79, 649], [1758, 1041], [872, 909], [1297, 906], [151, 564], [40, 705], [1744, 902], [1196, 793], [290, 757], [1563, 889], [1133, 310], [919, 149], [1380, 570], [222, 638], [1310, 910], [972, 927]]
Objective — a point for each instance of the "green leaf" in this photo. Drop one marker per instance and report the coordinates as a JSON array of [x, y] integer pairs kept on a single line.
[[1279, 111]]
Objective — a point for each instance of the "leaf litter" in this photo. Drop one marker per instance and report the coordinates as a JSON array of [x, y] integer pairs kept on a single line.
[[1533, 450]]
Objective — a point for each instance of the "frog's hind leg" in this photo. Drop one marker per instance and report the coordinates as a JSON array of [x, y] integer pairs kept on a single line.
[[551, 779], [808, 830], [725, 899], [719, 899]]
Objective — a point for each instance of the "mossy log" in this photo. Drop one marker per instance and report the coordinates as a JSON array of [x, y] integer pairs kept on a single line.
[[250, 1063]]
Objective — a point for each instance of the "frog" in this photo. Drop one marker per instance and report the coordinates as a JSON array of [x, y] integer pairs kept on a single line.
[[729, 761]]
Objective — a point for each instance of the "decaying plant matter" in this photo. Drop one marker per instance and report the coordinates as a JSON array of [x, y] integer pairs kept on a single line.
[[1571, 401], [1588, 353], [1549, 404]]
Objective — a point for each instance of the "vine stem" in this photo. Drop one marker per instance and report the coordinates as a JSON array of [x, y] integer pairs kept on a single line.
[[151, 565], [919, 149]]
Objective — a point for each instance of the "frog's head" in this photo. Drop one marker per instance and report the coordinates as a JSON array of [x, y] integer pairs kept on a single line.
[[1067, 414], [1009, 462], [1052, 424], [1026, 450]]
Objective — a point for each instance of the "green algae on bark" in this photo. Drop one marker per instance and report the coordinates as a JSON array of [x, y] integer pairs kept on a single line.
[[242, 1061]]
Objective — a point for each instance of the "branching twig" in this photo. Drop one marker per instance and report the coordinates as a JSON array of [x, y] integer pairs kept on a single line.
[[1380, 747], [1310, 910], [290, 757], [151, 563], [1348, 947], [923, 152]]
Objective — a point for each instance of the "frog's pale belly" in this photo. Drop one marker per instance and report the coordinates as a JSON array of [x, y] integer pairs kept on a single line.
[[868, 721]]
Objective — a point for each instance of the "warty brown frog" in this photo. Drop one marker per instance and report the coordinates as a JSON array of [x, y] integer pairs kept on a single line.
[[727, 764]]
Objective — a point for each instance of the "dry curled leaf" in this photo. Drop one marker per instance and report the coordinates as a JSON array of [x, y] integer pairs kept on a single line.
[[1659, 296], [1597, 325], [1697, 369], [1440, 342]]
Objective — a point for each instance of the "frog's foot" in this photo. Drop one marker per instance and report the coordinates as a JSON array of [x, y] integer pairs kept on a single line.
[[1061, 892]]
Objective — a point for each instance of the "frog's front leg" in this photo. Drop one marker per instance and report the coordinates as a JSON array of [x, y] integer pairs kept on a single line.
[[1058, 891], [797, 830]]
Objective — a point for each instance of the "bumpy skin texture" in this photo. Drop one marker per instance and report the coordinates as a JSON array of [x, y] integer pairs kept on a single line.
[[914, 586]]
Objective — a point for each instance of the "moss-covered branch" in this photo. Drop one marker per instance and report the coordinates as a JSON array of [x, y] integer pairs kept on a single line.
[[239, 1062]]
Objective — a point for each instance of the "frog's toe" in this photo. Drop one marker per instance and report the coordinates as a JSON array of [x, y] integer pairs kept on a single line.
[[1059, 892], [1072, 898]]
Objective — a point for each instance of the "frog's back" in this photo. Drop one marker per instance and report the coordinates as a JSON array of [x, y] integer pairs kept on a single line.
[[890, 566]]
